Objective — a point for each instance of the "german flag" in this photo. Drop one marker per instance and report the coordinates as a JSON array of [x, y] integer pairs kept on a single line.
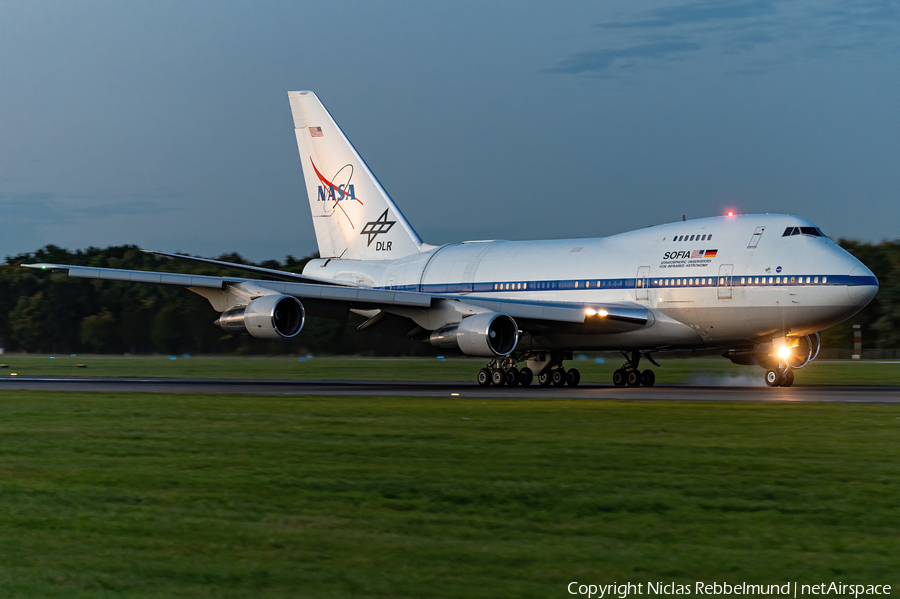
[[710, 254]]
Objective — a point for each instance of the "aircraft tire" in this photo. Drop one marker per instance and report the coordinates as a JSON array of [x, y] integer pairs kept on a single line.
[[558, 377], [526, 376], [773, 378], [544, 379], [633, 378], [573, 377], [484, 377], [619, 378], [498, 377], [648, 378], [788, 378], [512, 376]]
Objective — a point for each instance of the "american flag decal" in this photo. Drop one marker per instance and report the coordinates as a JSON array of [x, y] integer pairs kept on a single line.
[[315, 131], [697, 254]]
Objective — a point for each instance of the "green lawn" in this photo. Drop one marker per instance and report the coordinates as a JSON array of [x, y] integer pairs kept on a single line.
[[108, 495], [695, 370]]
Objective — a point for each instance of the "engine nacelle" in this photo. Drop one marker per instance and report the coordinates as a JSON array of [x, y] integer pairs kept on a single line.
[[273, 316], [488, 335]]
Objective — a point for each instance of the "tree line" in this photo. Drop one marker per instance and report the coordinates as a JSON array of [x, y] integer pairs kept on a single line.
[[52, 313]]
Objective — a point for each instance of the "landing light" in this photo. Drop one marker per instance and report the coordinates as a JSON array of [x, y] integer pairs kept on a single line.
[[784, 352], [590, 312], [603, 313]]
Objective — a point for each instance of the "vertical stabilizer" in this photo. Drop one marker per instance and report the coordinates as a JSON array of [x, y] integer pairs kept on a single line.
[[353, 215]]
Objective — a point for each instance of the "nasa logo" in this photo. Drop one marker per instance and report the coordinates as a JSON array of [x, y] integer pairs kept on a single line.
[[778, 269], [378, 227], [329, 192], [336, 193]]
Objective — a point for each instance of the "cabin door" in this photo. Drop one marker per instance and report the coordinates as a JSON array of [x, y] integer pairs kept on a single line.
[[642, 283], [754, 240], [725, 282]]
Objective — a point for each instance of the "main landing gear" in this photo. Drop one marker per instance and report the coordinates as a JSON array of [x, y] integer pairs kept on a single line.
[[549, 368], [630, 375], [780, 376]]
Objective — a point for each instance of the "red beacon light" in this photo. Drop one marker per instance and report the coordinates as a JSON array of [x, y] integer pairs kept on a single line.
[[730, 214]]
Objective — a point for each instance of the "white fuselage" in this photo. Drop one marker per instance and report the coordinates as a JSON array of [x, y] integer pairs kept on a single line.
[[716, 281]]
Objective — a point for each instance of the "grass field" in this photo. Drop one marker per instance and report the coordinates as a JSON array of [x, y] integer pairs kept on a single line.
[[141, 495], [702, 371]]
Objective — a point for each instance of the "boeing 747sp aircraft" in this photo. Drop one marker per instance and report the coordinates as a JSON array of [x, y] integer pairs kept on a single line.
[[756, 288]]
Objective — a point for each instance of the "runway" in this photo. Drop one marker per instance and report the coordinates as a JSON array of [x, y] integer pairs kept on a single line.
[[826, 394]]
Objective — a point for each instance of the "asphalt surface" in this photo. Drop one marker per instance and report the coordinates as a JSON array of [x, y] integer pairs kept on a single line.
[[827, 394]]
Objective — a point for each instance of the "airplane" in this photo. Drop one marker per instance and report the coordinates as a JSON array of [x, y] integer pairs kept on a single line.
[[755, 288]]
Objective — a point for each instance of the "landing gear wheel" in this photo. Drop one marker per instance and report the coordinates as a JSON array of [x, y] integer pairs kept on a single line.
[[633, 378], [512, 376], [648, 378], [484, 377], [573, 377], [619, 378], [544, 379], [788, 378], [558, 377], [526, 376], [773, 378], [498, 377]]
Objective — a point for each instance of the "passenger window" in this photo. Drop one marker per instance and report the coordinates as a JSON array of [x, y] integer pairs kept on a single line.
[[692, 238], [708, 237], [743, 281], [756, 281], [793, 281], [816, 280], [824, 280], [770, 280]]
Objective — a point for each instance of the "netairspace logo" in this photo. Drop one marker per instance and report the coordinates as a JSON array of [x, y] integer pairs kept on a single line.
[[718, 589]]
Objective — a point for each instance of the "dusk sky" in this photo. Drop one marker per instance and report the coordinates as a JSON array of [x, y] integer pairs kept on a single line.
[[167, 124]]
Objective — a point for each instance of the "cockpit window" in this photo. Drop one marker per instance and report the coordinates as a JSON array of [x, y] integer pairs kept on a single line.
[[811, 231]]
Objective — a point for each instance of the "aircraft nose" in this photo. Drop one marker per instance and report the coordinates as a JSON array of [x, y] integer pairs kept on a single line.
[[862, 285]]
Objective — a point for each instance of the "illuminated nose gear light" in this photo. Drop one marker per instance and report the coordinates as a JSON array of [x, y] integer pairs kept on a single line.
[[784, 352]]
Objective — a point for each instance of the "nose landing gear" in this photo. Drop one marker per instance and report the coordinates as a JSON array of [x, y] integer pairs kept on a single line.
[[780, 376]]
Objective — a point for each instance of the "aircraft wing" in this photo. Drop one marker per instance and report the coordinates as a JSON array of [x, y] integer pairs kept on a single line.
[[429, 311], [280, 275]]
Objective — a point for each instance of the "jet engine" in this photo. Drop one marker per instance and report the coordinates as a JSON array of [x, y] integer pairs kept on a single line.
[[806, 350], [273, 316], [489, 335]]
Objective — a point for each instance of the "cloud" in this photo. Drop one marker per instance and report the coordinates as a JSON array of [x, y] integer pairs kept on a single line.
[[795, 30], [48, 207], [598, 61], [698, 12]]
